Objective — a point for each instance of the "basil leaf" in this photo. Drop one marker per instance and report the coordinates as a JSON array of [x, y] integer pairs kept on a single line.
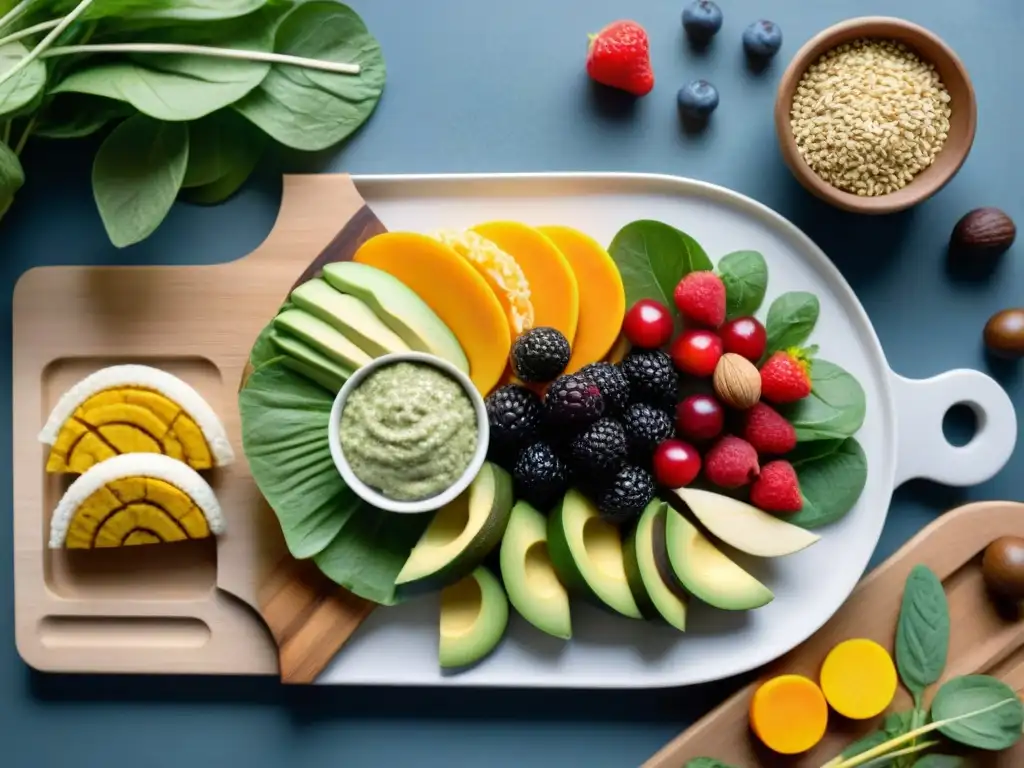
[[834, 409], [136, 176], [830, 485], [310, 109], [12, 177], [791, 319], [652, 258], [23, 91], [978, 711], [706, 762], [941, 761], [76, 115], [922, 631], [745, 275]]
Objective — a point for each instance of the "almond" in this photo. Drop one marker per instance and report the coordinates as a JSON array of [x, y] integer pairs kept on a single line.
[[736, 381]]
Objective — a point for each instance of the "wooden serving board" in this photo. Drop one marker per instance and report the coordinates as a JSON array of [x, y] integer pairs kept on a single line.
[[985, 639], [193, 607]]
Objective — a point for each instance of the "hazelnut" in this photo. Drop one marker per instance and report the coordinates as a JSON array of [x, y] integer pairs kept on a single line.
[[983, 232], [1004, 333], [736, 381]]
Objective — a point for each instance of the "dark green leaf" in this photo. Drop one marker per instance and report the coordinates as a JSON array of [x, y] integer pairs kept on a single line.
[[872, 740], [311, 109], [218, 145], [23, 91], [221, 189], [745, 275], [830, 484], [985, 712], [12, 177], [652, 258], [941, 761], [922, 631], [834, 409], [898, 723], [75, 115], [706, 762], [136, 176], [816, 449], [177, 10], [791, 319]]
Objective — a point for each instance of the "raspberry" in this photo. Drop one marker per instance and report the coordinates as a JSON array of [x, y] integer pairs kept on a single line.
[[731, 463], [700, 297], [768, 431]]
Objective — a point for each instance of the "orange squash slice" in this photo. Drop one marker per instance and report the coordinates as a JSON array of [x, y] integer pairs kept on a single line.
[[554, 292], [454, 290], [602, 297]]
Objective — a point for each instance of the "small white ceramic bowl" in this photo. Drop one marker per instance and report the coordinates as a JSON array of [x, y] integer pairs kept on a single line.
[[375, 497]]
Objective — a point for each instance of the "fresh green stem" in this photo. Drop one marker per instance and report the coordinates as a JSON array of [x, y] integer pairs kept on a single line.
[[203, 50], [47, 41], [35, 29], [883, 759], [31, 124], [12, 15]]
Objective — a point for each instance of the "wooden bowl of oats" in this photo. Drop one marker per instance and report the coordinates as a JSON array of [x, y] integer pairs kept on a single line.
[[875, 115]]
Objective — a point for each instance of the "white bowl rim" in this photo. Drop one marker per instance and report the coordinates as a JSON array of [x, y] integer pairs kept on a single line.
[[366, 492]]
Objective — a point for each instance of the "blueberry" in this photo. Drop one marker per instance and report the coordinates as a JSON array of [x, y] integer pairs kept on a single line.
[[698, 99], [701, 20], [762, 39]]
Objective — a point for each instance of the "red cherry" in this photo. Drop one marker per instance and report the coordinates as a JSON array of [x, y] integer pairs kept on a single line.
[[676, 463], [700, 417], [697, 352], [648, 324], [744, 336]]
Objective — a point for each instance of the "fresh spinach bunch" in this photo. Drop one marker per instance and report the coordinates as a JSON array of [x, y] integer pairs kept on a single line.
[[194, 91]]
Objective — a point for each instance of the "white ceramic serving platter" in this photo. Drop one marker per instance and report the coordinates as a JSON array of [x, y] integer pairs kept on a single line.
[[902, 436]]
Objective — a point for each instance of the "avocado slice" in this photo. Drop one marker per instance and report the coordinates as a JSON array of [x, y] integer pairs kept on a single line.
[[657, 592], [352, 317], [303, 359], [461, 534], [399, 308], [474, 615], [530, 579], [587, 554], [326, 340], [744, 526], [706, 572]]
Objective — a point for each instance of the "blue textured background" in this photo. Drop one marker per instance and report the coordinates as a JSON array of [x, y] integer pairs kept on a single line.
[[500, 86]]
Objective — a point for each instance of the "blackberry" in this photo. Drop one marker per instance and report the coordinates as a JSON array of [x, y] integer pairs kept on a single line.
[[514, 414], [652, 379], [646, 428], [613, 385], [574, 400], [624, 498], [540, 355], [540, 476], [598, 450]]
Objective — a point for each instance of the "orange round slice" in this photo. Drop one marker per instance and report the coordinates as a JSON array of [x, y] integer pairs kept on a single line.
[[789, 714]]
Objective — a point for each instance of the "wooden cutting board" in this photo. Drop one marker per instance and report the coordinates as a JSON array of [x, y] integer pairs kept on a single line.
[[193, 607], [984, 639]]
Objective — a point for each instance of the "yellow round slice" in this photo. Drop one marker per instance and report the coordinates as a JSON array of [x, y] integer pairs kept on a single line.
[[554, 292], [456, 292], [133, 409], [602, 296], [135, 499], [858, 678]]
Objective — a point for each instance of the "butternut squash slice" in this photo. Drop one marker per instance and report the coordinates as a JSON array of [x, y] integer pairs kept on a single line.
[[454, 290], [554, 292], [789, 714], [602, 297]]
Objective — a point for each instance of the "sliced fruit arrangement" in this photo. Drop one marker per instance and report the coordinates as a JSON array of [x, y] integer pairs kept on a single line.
[[132, 499], [474, 615], [133, 409]]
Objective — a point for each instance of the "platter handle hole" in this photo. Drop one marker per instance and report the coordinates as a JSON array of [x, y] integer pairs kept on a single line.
[[960, 424]]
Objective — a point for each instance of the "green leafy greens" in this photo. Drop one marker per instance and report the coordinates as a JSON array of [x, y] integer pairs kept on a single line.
[[745, 274], [791, 319], [212, 81], [834, 409], [830, 484], [922, 632]]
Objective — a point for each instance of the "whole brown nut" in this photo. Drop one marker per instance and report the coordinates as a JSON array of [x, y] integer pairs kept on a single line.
[[1004, 333], [737, 382], [1002, 567], [984, 232]]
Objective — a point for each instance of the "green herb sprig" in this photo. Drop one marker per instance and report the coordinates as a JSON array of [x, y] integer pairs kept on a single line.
[[195, 91]]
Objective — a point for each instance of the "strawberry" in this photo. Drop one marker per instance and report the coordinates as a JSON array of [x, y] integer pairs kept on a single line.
[[777, 488], [619, 57], [786, 376], [731, 462], [767, 430], [700, 297]]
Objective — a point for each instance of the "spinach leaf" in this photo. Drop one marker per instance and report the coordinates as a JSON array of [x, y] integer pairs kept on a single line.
[[706, 762], [76, 115], [830, 484], [175, 10], [791, 319], [652, 258], [872, 740], [263, 349], [978, 711], [23, 91], [284, 432], [249, 153], [308, 109], [136, 176], [12, 176], [922, 631], [745, 275], [816, 449], [834, 409], [941, 761], [219, 144]]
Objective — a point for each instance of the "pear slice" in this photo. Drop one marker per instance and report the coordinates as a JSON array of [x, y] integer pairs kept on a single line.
[[744, 526]]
